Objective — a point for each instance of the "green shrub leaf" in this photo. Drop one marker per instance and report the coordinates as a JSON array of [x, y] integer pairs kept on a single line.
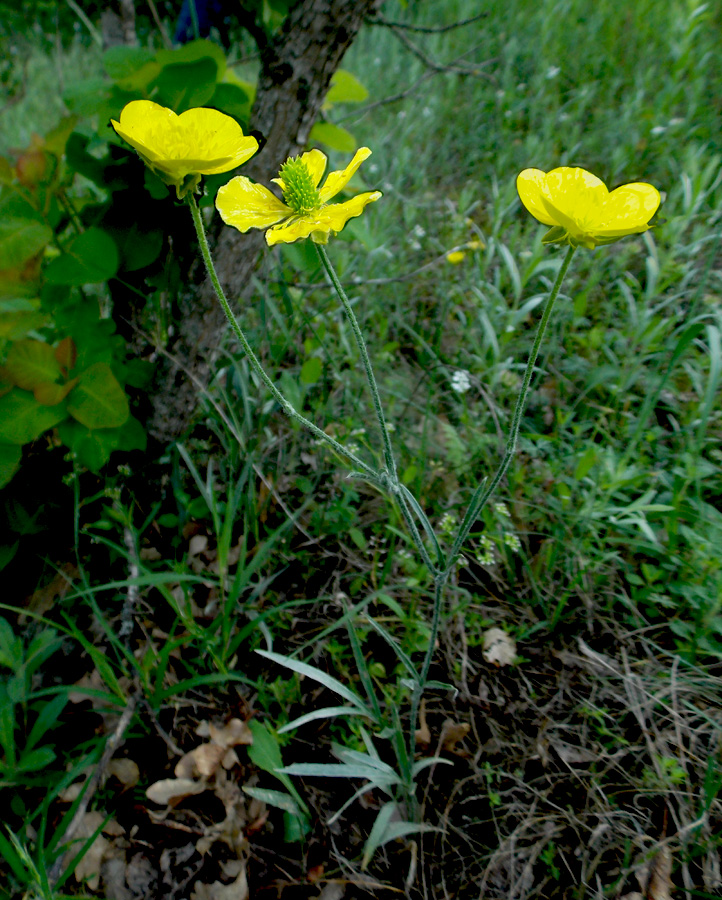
[[333, 136], [22, 418], [92, 257], [30, 363], [20, 240], [345, 88], [98, 400], [311, 370], [10, 456], [182, 87]]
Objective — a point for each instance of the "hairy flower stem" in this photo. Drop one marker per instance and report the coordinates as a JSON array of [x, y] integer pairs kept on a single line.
[[361, 343], [482, 494], [395, 487], [255, 364], [418, 690]]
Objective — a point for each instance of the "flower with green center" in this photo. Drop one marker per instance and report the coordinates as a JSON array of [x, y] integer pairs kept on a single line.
[[181, 148], [580, 209], [305, 210]]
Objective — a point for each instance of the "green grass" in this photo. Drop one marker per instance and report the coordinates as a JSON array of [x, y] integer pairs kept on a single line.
[[614, 494]]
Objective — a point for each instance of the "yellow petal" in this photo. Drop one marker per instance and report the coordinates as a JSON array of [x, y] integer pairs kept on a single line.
[[575, 198], [329, 219], [139, 121], [293, 230], [199, 141], [245, 205], [531, 184], [628, 209], [336, 181], [336, 215], [214, 135]]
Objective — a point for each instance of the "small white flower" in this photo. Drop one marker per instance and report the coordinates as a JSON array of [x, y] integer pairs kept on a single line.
[[658, 129], [502, 509], [426, 112], [460, 381], [447, 525], [552, 72], [415, 245], [485, 559], [418, 231], [513, 542]]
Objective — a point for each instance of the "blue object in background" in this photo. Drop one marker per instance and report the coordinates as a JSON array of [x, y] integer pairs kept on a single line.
[[210, 13]]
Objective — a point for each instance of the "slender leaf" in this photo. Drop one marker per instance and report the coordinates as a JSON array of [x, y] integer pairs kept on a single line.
[[317, 675]]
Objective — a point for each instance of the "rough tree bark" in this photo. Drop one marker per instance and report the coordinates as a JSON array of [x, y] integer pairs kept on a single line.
[[296, 69]]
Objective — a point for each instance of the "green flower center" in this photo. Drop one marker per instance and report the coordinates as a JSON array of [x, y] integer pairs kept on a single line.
[[299, 191]]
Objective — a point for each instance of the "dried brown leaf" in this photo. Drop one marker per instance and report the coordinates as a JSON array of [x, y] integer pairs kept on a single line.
[[172, 790], [237, 890], [498, 649], [125, 770], [234, 732], [452, 733], [423, 734], [197, 544], [88, 868]]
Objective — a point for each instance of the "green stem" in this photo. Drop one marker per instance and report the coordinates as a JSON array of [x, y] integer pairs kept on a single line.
[[331, 272], [439, 584], [478, 503], [256, 365], [394, 485]]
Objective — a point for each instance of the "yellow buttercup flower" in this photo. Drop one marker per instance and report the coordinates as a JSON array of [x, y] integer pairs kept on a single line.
[[304, 210], [181, 148], [580, 209]]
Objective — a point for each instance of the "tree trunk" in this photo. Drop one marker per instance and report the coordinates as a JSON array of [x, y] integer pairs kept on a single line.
[[296, 70]]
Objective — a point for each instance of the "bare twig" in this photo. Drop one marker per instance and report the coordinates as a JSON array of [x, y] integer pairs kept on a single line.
[[473, 69], [127, 613], [163, 34], [422, 29], [114, 741]]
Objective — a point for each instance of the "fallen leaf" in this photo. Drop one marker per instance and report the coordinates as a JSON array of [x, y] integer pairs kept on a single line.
[[237, 890], [197, 544], [125, 770], [423, 735], [498, 647], [204, 760], [88, 867], [172, 790], [452, 733], [43, 599], [236, 731]]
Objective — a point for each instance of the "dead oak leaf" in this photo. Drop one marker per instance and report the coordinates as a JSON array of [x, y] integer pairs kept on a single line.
[[236, 890], [171, 791], [498, 647]]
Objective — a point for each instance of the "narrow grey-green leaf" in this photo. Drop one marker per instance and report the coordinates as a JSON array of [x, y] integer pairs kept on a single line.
[[317, 675]]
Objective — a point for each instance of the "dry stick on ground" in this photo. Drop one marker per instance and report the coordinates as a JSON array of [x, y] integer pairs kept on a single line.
[[96, 778], [127, 613]]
